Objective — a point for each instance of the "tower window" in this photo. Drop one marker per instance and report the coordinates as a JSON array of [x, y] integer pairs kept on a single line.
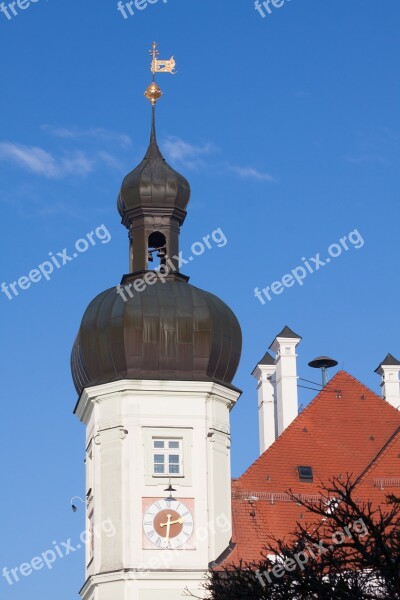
[[167, 457], [305, 474]]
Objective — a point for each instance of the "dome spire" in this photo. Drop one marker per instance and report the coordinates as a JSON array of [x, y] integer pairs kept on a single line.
[[153, 92], [153, 197]]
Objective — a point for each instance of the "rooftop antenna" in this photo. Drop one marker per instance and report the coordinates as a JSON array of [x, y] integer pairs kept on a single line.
[[324, 363]]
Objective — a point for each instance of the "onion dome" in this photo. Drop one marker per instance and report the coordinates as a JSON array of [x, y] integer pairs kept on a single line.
[[169, 331], [153, 185]]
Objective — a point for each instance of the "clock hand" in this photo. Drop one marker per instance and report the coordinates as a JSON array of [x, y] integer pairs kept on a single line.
[[169, 522], [168, 526], [181, 521], [168, 529]]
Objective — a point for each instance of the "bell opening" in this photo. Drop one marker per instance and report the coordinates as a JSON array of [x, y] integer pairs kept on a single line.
[[157, 248]]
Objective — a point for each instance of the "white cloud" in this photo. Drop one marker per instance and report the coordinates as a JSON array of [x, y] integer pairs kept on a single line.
[[39, 161], [252, 173], [193, 157], [95, 133], [189, 155], [77, 164], [110, 160]]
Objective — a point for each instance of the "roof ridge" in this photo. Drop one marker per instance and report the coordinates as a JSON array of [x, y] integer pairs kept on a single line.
[[359, 383], [333, 382], [378, 457], [368, 389], [289, 427]]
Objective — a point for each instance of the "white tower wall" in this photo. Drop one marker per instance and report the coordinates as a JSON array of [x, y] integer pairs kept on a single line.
[[121, 420]]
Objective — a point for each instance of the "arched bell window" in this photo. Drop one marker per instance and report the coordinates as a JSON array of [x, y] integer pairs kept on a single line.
[[157, 248]]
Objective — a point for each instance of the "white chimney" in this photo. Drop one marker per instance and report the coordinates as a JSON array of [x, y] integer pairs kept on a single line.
[[277, 388], [287, 405], [265, 374], [389, 370]]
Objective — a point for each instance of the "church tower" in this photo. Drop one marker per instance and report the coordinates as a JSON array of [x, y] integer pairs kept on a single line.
[[153, 365]]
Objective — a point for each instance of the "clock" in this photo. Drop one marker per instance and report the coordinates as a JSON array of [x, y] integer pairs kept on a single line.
[[168, 523]]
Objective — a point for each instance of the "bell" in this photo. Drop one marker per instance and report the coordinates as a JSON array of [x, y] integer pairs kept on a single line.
[[170, 489]]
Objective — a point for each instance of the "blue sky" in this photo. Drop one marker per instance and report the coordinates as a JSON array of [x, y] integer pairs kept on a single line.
[[287, 128]]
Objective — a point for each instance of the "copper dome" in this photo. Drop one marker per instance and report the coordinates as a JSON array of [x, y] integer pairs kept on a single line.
[[153, 186], [169, 331]]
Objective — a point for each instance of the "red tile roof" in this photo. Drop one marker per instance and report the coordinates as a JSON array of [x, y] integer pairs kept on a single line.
[[346, 429], [383, 475]]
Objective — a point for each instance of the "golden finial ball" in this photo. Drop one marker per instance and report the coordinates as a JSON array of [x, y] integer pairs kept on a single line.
[[153, 93]]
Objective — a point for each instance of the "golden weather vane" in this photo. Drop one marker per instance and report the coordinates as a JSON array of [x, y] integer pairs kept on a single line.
[[161, 66], [153, 92]]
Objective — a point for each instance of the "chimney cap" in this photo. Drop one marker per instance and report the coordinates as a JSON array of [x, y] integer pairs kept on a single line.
[[389, 361], [286, 333], [267, 359]]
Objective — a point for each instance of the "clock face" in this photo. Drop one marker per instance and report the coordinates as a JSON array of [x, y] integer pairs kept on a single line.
[[168, 524]]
